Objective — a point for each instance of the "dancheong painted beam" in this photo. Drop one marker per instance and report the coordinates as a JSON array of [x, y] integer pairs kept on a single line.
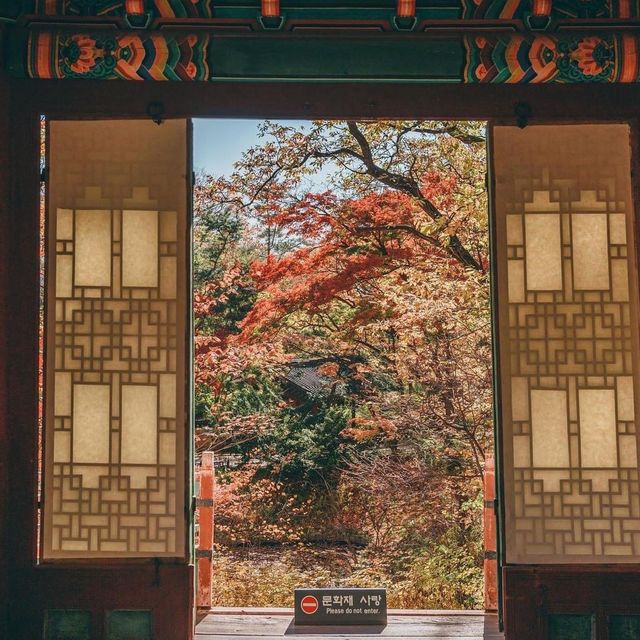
[[208, 9], [474, 57], [468, 41]]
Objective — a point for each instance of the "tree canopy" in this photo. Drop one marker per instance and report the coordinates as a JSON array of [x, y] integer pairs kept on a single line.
[[359, 249]]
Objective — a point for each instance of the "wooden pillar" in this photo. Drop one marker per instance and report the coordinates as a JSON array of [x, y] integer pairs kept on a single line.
[[22, 357], [4, 364], [204, 552]]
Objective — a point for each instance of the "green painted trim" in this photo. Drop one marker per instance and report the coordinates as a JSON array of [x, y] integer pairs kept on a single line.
[[16, 43], [10, 10], [571, 626], [624, 627], [329, 15], [129, 624], [435, 59], [67, 624]]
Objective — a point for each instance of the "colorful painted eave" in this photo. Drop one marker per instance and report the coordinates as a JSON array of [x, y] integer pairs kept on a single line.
[[468, 41], [144, 12]]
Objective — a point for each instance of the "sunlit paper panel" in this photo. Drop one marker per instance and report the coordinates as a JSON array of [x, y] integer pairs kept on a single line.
[[115, 340], [92, 255], [598, 437], [140, 249], [139, 420], [549, 433], [543, 251], [590, 249], [568, 343], [91, 418]]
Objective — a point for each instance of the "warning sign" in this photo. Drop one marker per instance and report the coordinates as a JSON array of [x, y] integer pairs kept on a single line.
[[309, 604], [340, 606]]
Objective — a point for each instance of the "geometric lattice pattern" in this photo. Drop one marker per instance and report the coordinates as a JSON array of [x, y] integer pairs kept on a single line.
[[568, 341], [115, 341]]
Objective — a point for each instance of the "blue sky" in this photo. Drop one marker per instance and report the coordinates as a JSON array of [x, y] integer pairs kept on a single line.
[[218, 143]]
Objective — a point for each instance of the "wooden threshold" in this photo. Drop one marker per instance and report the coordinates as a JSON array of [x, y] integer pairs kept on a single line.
[[288, 611], [264, 624]]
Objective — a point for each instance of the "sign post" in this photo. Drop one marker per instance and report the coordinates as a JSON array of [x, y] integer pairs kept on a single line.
[[331, 606]]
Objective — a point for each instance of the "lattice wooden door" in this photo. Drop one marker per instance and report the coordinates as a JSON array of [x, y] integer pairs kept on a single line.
[[117, 454], [567, 301]]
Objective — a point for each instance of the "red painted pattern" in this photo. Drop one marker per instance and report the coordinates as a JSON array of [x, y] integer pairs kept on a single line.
[[406, 8], [541, 7], [629, 55], [134, 6], [270, 8]]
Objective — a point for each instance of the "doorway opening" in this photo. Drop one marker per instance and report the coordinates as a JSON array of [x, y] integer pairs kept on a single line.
[[615, 256], [343, 358]]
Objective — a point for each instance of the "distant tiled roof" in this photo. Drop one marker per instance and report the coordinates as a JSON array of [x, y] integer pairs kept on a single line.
[[306, 377]]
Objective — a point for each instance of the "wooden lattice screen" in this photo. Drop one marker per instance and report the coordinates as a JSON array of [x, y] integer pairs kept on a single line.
[[115, 340], [568, 322]]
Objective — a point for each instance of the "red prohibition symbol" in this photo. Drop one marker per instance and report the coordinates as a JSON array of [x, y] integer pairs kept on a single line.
[[309, 604]]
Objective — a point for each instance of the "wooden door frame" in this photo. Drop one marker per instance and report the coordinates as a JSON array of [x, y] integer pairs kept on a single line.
[[31, 588], [5, 210]]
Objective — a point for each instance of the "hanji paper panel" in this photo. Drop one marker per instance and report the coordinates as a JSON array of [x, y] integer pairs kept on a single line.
[[116, 310], [568, 338]]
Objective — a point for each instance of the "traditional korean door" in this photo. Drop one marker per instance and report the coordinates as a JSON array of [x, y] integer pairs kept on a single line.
[[114, 557], [566, 293]]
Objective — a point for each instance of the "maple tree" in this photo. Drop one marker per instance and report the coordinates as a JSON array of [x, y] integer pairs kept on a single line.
[[359, 249]]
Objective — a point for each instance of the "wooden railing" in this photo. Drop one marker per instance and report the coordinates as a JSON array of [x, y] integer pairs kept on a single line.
[[490, 540], [205, 482]]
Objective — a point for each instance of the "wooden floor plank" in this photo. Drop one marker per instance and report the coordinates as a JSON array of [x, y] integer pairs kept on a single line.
[[456, 636], [219, 626]]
